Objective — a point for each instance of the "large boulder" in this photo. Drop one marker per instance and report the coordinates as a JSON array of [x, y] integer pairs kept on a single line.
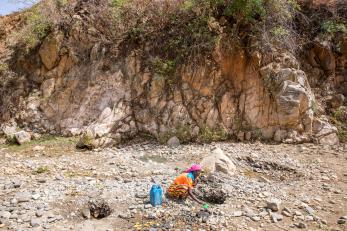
[[324, 132], [22, 137], [217, 161], [8, 130]]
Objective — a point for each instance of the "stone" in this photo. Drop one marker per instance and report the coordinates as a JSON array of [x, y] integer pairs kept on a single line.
[[308, 209], [280, 135], [331, 139], [173, 142], [9, 130], [248, 136], [275, 217], [39, 213], [217, 161], [341, 221], [86, 213], [237, 214], [35, 196], [241, 136], [255, 218], [273, 204], [301, 225], [23, 197], [285, 213], [5, 214], [34, 222], [22, 137]]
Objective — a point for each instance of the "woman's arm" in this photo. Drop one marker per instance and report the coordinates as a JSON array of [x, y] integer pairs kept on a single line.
[[191, 194]]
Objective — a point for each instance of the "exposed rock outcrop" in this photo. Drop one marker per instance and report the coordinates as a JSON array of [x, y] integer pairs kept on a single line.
[[91, 89]]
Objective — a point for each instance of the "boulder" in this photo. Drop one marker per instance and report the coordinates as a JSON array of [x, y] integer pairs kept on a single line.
[[173, 142], [331, 139], [280, 135], [22, 137], [8, 130], [217, 161]]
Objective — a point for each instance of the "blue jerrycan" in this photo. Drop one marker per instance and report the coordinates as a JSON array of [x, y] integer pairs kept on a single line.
[[156, 195]]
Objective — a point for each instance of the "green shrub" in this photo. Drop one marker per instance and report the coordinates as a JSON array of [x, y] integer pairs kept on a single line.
[[118, 3], [37, 27], [245, 10], [182, 132], [279, 32], [332, 27], [208, 135], [42, 169], [3, 67]]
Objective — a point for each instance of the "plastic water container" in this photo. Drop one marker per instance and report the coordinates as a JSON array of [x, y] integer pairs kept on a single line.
[[156, 195]]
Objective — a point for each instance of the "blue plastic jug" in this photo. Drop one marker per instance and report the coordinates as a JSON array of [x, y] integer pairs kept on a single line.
[[156, 195]]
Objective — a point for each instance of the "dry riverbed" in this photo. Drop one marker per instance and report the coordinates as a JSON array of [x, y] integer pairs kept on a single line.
[[45, 185]]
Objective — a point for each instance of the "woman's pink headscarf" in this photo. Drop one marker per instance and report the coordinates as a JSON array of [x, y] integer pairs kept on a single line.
[[195, 167]]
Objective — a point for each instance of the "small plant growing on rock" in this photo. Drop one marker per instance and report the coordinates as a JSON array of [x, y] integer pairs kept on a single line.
[[208, 135], [41, 170], [333, 27]]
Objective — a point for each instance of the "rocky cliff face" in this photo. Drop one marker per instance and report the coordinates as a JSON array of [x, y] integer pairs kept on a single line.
[[76, 84]]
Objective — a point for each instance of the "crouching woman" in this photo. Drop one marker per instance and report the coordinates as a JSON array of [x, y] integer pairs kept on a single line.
[[183, 185]]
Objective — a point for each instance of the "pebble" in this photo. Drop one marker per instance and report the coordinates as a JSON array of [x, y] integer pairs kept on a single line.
[[23, 197], [14, 201], [86, 213], [237, 214], [301, 225], [35, 196], [273, 204], [34, 222], [341, 221], [286, 213], [5, 214], [275, 217], [255, 218], [39, 213]]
